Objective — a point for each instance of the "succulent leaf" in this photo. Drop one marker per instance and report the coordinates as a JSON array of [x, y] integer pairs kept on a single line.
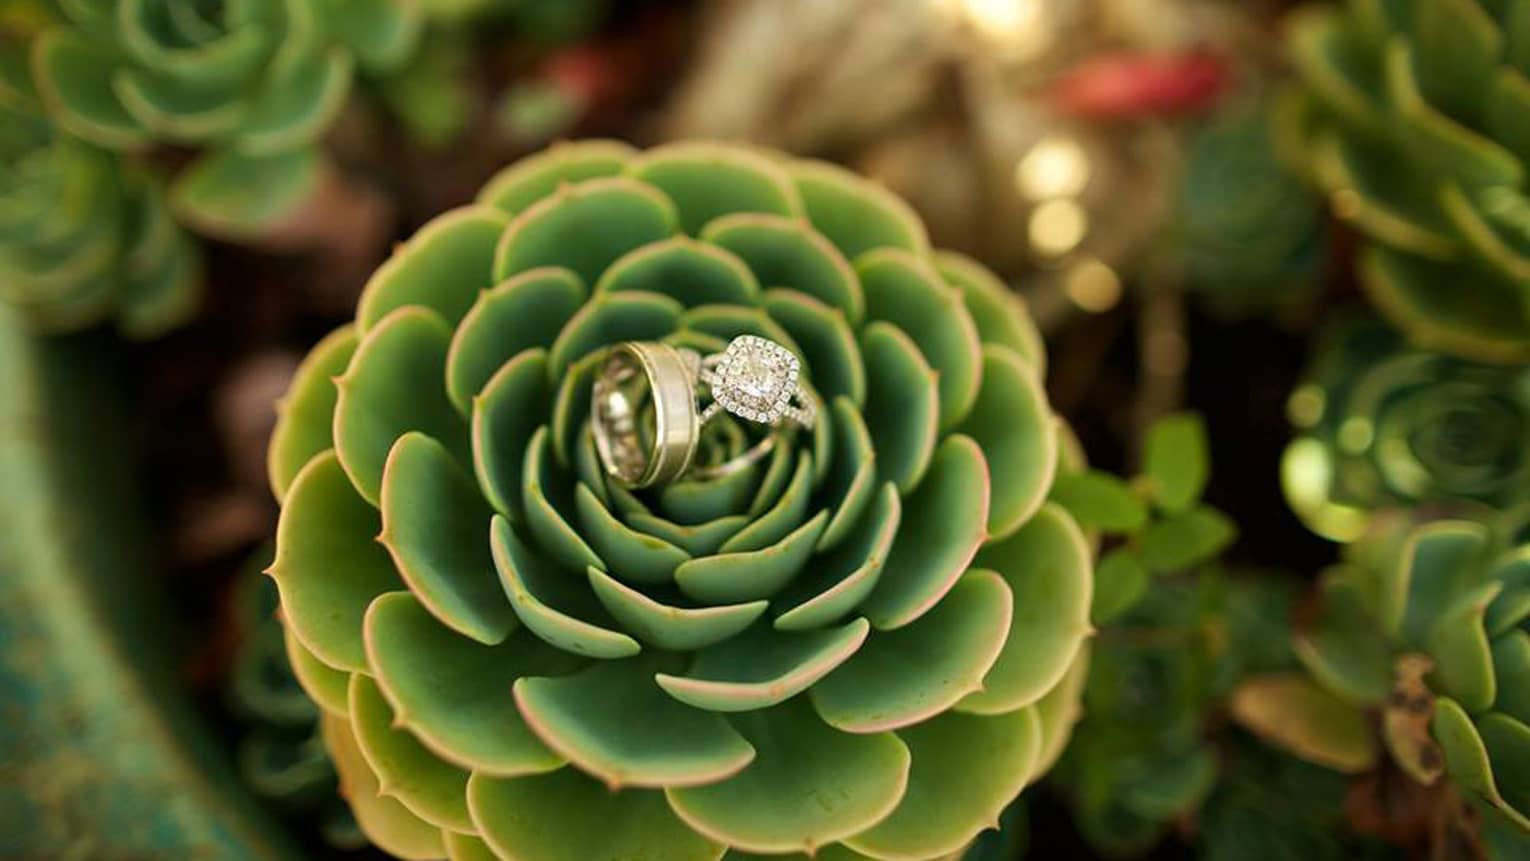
[[1408, 129], [502, 634], [85, 236]]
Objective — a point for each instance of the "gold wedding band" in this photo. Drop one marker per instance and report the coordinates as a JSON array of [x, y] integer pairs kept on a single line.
[[644, 414]]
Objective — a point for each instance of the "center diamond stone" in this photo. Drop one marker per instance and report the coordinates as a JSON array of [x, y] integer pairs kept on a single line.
[[756, 376]]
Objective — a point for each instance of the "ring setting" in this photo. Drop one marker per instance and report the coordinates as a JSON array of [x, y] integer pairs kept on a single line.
[[756, 379], [644, 406]]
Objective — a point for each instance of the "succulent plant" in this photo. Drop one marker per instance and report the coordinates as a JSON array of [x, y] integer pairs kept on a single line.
[[1253, 241], [280, 753], [1144, 756], [1414, 120], [84, 236], [865, 645], [1434, 638], [1154, 525], [253, 84], [1384, 426]]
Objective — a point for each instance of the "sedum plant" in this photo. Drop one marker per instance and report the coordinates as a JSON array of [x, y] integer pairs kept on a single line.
[[1434, 640], [1154, 525], [1414, 119], [1385, 427], [864, 646], [253, 84], [84, 236], [1146, 755]]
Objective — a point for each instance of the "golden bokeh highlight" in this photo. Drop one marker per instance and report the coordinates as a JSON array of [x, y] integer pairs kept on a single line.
[[1058, 226], [1092, 286], [1055, 167]]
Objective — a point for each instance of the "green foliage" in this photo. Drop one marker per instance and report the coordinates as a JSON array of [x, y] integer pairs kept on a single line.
[[280, 754], [1413, 118], [252, 85], [1251, 239], [1270, 807], [1156, 523], [869, 642], [1384, 427], [84, 236], [1433, 632], [1145, 755]]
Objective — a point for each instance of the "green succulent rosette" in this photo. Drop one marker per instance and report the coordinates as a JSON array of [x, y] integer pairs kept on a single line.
[[1252, 240], [864, 646], [84, 236], [253, 84], [1415, 118], [1383, 426], [1433, 636]]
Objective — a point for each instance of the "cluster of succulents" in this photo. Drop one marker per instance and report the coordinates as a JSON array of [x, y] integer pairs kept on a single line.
[[84, 236], [1413, 119], [1384, 427], [865, 645], [252, 86], [1146, 757], [1419, 651]]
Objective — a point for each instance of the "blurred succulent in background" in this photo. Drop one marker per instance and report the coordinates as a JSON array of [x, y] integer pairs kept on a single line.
[[1268, 806], [84, 236], [1252, 240], [1154, 525], [252, 85], [866, 644], [281, 754], [1146, 755], [1414, 121], [1418, 648], [1385, 427]]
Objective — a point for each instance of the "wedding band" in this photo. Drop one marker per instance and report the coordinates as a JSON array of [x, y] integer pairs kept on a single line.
[[643, 413]]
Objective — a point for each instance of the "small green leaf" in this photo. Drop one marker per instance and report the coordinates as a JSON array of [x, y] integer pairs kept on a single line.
[[1186, 540], [245, 198], [615, 724], [906, 291], [1099, 500], [823, 785], [387, 823], [708, 180], [433, 524], [787, 253], [762, 667], [568, 816], [910, 675], [1291, 712], [857, 215], [966, 770], [1178, 462], [1119, 583], [945, 523]]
